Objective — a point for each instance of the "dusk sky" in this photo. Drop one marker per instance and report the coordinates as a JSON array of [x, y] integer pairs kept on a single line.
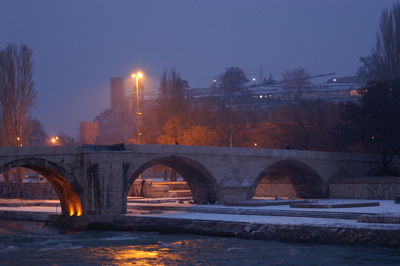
[[79, 45]]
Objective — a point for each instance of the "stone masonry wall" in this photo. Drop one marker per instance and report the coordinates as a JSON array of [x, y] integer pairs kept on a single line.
[[28, 191], [364, 191], [273, 190]]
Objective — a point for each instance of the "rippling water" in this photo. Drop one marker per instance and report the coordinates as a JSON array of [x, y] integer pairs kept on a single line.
[[30, 243]]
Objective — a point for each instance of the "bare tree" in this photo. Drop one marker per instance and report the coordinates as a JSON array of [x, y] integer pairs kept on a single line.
[[172, 91], [16, 95], [295, 78], [232, 79], [38, 136], [384, 62], [377, 117], [306, 125]]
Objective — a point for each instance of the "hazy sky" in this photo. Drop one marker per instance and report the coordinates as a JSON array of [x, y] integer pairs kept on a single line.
[[79, 45]]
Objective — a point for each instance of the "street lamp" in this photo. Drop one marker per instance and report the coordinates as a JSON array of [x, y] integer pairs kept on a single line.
[[54, 140], [19, 142], [137, 76]]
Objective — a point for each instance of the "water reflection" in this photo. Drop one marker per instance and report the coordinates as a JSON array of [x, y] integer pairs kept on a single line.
[[24, 243], [137, 254], [143, 255]]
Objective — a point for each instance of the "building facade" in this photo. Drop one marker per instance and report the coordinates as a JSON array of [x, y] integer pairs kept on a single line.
[[269, 96], [89, 132]]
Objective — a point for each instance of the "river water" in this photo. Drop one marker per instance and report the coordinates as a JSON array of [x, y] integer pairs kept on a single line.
[[33, 243]]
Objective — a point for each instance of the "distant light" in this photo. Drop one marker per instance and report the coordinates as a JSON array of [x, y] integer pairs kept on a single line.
[[254, 79], [260, 96], [334, 80], [214, 80], [138, 75], [255, 144]]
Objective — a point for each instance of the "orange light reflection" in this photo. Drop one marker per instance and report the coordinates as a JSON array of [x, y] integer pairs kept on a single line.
[[153, 255]]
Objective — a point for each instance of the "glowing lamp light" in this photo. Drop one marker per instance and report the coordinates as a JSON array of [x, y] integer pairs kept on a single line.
[[54, 140], [75, 211], [137, 75]]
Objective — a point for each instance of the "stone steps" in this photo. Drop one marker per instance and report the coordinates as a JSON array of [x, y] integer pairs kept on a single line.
[[174, 185], [179, 193], [156, 200]]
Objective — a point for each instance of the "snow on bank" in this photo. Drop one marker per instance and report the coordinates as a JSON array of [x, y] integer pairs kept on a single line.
[[385, 207], [278, 220]]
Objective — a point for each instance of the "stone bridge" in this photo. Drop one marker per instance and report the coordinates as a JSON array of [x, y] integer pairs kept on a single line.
[[95, 180]]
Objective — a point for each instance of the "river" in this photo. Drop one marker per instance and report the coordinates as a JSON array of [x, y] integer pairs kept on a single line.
[[33, 243]]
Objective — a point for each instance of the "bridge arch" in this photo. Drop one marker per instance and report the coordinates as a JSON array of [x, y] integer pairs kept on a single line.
[[64, 184], [306, 182], [200, 181]]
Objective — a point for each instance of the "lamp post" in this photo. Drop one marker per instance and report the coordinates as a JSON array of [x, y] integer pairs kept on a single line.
[[137, 76]]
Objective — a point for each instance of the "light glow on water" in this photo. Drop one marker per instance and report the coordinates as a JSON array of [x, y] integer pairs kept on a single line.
[[33, 243], [149, 255]]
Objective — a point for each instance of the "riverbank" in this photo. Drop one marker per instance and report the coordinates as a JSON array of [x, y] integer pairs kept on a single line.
[[345, 225], [262, 228]]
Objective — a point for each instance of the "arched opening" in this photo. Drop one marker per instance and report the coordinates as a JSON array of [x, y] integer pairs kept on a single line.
[[62, 183], [191, 177], [290, 179], [160, 182]]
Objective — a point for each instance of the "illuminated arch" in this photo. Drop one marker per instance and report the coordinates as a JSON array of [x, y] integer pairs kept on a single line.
[[198, 178], [64, 184], [305, 180]]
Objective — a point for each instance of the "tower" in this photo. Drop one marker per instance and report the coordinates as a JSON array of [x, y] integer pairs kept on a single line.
[[119, 100]]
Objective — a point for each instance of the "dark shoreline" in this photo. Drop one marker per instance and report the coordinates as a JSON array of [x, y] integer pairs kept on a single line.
[[296, 233], [259, 231], [245, 230]]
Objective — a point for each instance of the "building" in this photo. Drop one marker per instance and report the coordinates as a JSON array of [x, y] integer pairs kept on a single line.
[[119, 100], [89, 132], [115, 124], [259, 97]]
